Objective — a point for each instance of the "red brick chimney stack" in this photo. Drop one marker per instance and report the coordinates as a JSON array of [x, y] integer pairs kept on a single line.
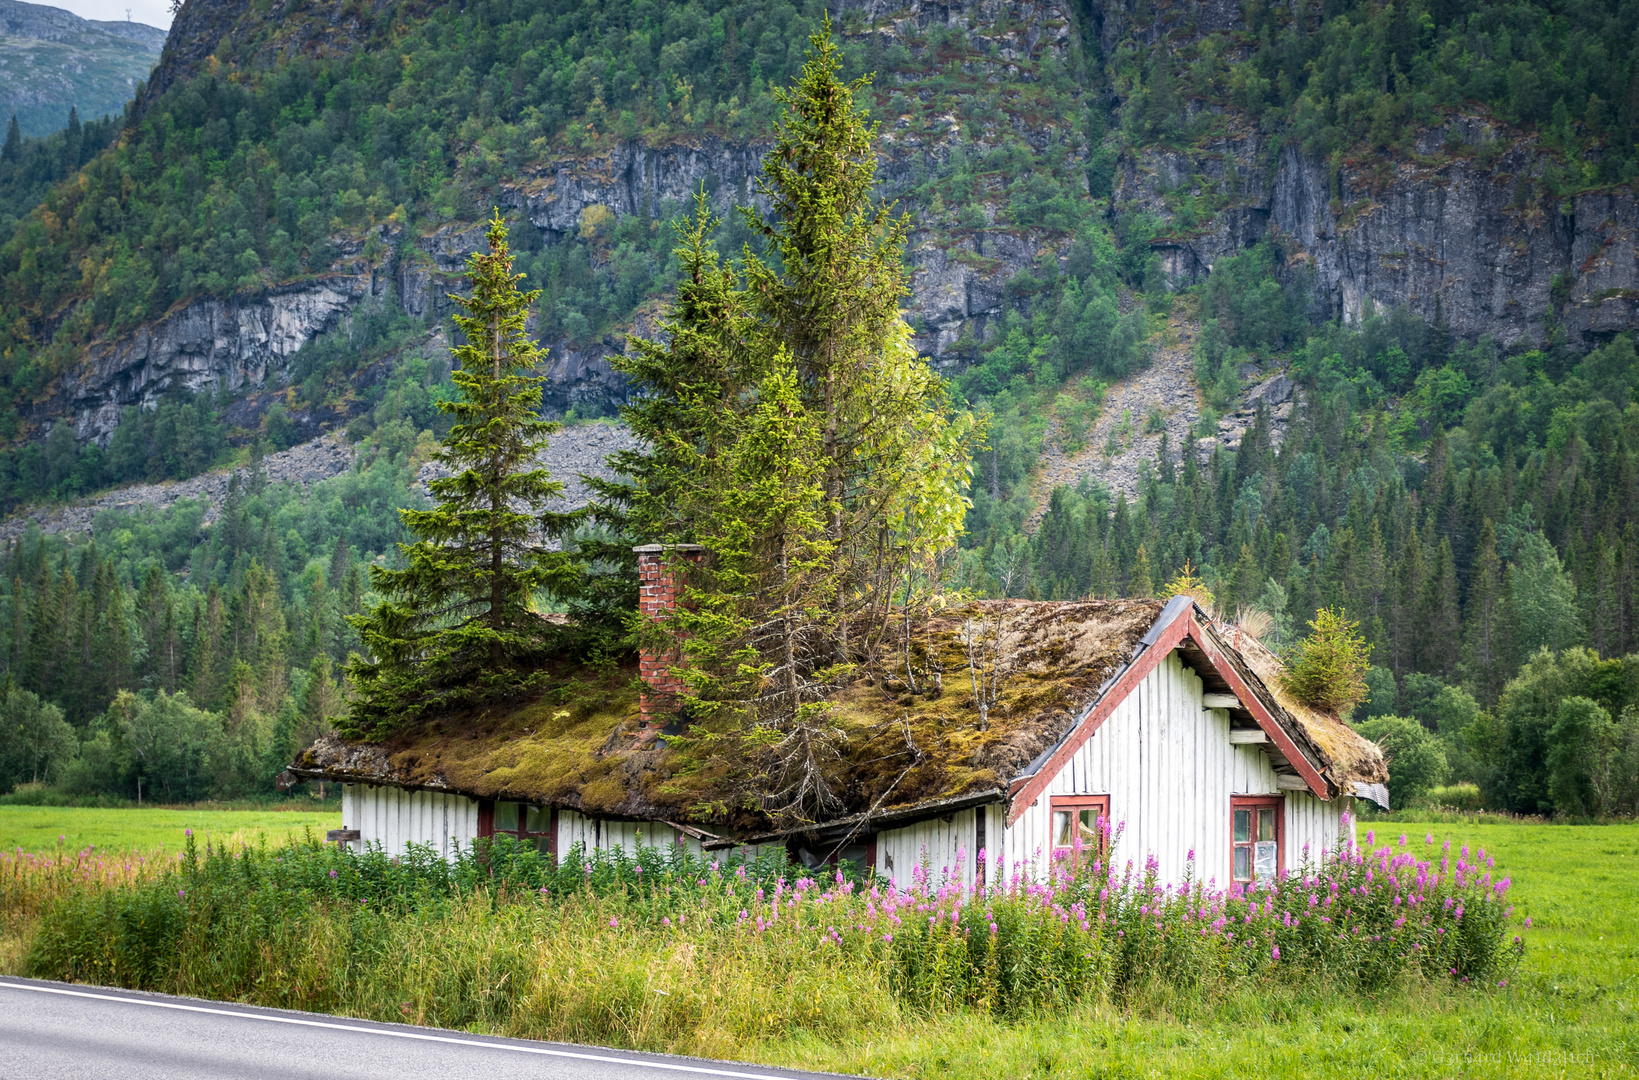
[[658, 591]]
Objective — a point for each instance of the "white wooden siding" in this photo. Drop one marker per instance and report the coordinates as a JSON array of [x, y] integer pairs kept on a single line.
[[1314, 828], [393, 818], [1169, 769], [599, 834], [946, 846]]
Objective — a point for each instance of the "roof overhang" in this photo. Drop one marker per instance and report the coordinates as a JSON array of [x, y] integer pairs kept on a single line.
[[867, 822]]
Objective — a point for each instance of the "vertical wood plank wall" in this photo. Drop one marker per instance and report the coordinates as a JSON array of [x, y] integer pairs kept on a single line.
[[395, 818], [595, 834], [947, 848]]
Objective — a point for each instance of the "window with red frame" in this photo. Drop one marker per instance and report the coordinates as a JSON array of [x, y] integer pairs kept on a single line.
[[1257, 831], [1081, 817], [531, 824]]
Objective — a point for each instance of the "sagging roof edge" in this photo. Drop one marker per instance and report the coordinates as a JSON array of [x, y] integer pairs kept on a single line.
[[898, 815], [1377, 793]]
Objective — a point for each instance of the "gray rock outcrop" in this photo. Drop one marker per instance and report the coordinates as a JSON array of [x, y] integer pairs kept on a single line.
[[1469, 225]]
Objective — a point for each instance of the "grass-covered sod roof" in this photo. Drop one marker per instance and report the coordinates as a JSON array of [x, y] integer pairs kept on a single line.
[[909, 739]]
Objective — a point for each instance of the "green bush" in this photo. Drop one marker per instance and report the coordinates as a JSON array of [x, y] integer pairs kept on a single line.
[[1417, 761]]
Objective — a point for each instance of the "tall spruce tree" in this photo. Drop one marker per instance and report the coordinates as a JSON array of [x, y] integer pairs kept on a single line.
[[791, 429], [458, 624]]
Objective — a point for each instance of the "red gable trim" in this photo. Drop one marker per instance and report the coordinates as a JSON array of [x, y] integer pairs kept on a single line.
[[1101, 710], [1171, 636]]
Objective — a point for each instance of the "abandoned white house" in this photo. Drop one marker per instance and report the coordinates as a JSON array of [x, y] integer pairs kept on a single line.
[[1147, 713]]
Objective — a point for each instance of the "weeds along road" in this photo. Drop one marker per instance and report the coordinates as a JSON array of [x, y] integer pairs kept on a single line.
[[57, 1031]]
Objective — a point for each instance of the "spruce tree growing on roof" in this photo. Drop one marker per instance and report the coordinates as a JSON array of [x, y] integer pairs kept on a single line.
[[789, 426], [1327, 669], [458, 624]]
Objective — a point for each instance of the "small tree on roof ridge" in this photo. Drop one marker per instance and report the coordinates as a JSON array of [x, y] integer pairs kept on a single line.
[[1188, 583], [457, 625], [1327, 669]]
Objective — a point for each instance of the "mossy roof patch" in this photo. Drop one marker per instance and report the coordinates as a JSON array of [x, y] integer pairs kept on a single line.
[[909, 745], [577, 745]]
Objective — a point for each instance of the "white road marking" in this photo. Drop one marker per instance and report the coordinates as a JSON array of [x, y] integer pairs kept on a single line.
[[545, 1051]]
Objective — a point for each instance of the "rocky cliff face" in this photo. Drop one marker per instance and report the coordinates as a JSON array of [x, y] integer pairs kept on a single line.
[[1467, 225], [247, 342], [1464, 223]]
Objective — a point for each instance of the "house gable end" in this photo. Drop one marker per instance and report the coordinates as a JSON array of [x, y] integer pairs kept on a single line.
[[1177, 624]]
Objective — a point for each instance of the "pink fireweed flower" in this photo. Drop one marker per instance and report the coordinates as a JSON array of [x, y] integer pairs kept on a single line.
[[1275, 953], [614, 923]]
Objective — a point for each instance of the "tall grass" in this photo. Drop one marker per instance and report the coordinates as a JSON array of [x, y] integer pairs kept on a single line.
[[666, 951]]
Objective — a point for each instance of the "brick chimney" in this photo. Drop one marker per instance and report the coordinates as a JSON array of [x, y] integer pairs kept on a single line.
[[658, 590]]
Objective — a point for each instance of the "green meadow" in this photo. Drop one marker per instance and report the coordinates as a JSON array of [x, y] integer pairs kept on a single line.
[[37, 829], [1570, 1008]]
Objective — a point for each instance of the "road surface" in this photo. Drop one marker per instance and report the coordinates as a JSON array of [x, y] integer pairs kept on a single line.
[[58, 1031]]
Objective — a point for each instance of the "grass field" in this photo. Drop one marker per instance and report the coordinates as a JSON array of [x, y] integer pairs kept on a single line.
[[43, 828], [1572, 1009]]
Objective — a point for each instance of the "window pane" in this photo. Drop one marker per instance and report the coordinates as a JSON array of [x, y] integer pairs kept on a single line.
[[506, 817], [1266, 824], [1243, 863], [1265, 862], [1243, 826], [538, 820], [1062, 820], [1088, 822]]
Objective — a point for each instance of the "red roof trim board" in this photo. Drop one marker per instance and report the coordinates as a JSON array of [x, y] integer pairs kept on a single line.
[[1182, 625]]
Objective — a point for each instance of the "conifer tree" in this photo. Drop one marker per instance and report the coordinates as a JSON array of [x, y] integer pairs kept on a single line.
[[209, 662], [1139, 583], [458, 623], [13, 148], [792, 430], [1328, 668]]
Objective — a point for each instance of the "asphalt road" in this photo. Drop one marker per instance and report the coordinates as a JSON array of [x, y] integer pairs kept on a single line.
[[58, 1031]]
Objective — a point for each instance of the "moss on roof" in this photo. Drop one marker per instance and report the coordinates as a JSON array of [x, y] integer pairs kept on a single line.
[[907, 740], [577, 746]]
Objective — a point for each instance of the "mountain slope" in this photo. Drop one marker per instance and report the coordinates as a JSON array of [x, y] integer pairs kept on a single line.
[[52, 60]]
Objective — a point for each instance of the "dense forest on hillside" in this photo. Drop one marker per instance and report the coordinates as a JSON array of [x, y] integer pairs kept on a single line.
[[235, 181], [1468, 505]]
